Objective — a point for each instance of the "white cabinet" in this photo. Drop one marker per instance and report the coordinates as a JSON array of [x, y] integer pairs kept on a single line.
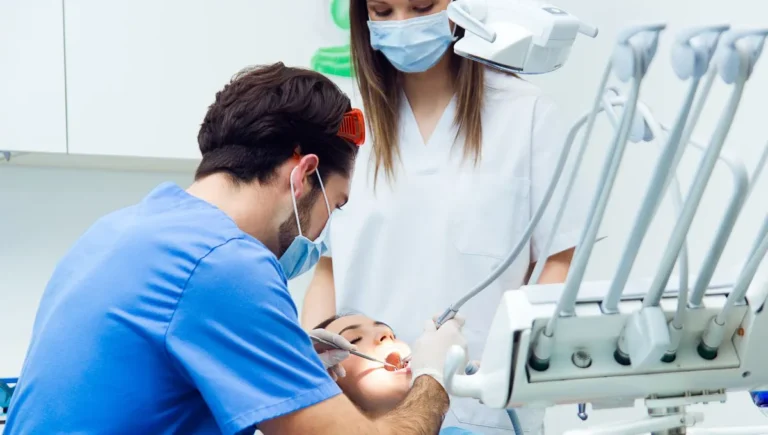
[[32, 92], [141, 73]]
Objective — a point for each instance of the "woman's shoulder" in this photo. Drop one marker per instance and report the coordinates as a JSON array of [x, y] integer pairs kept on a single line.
[[503, 86], [498, 83], [508, 92]]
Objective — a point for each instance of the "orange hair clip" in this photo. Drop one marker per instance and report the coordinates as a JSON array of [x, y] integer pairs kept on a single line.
[[353, 127]]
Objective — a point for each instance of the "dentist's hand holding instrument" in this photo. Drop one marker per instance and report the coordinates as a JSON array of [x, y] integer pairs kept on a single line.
[[332, 350], [427, 357]]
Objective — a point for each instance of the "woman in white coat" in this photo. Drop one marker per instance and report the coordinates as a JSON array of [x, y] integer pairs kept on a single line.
[[459, 157]]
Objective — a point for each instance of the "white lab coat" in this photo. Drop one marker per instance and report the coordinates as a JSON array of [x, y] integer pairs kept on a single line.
[[408, 250]]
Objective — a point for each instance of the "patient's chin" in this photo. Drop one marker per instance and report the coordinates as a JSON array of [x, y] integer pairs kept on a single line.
[[379, 393]]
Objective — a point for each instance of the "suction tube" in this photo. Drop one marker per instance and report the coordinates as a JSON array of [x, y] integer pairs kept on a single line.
[[597, 209]]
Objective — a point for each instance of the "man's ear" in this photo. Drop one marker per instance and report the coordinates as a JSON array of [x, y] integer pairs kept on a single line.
[[306, 167]]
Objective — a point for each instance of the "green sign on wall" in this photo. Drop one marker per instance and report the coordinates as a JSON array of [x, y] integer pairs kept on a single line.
[[335, 60]]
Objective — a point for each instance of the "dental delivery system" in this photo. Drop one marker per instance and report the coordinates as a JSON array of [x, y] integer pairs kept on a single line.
[[610, 343]]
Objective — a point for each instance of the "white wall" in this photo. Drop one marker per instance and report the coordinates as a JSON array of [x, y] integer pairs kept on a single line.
[[43, 210]]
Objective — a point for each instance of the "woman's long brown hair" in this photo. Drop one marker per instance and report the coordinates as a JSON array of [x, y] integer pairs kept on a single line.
[[379, 84]]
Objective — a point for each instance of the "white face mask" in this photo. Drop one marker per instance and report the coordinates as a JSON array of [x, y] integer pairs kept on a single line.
[[415, 44], [303, 253]]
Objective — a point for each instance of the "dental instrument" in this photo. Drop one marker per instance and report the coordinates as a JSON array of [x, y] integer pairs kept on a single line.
[[646, 129], [720, 346], [704, 278], [697, 294], [356, 353], [635, 49], [691, 61], [636, 129], [697, 190], [518, 36], [759, 168]]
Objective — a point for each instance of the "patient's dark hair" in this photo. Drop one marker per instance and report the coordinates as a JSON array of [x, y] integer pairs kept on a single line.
[[324, 324]]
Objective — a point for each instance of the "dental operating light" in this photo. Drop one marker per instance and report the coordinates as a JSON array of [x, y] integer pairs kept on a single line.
[[518, 36]]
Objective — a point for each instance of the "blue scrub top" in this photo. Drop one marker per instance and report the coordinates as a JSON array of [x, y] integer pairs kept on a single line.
[[166, 318]]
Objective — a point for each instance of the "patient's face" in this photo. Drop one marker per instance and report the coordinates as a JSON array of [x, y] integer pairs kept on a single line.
[[369, 384]]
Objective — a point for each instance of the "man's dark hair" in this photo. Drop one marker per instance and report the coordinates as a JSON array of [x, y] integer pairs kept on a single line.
[[264, 114]]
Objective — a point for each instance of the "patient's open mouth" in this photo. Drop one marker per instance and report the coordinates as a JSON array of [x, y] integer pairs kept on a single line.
[[394, 359], [397, 361]]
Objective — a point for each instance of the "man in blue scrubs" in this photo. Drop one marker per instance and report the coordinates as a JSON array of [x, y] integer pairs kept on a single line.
[[173, 315]]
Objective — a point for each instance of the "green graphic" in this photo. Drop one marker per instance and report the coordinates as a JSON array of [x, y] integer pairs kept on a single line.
[[335, 60]]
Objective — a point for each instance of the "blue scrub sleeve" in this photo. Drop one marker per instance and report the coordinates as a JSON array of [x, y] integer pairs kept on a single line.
[[235, 336]]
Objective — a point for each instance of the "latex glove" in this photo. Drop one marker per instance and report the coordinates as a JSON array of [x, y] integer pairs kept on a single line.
[[429, 351], [331, 356]]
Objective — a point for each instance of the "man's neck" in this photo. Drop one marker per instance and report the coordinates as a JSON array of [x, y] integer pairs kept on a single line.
[[251, 206]]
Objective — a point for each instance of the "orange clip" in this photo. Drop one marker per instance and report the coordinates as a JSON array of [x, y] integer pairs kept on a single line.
[[353, 127]]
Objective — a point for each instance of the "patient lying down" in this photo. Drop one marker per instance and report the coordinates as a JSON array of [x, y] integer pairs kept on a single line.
[[371, 387], [374, 389]]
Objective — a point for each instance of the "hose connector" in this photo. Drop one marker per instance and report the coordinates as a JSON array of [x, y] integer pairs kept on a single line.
[[542, 351], [447, 315], [711, 340]]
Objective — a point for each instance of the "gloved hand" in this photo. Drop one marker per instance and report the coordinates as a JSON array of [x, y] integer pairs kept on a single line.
[[429, 351], [331, 356]]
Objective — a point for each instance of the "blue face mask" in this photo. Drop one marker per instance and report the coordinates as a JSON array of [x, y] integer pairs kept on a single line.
[[303, 253], [413, 45]]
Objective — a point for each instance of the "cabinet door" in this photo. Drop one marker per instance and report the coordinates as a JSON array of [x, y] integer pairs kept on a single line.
[[32, 102], [141, 74]]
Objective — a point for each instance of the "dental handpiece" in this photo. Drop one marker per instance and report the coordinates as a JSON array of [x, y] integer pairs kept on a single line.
[[355, 353]]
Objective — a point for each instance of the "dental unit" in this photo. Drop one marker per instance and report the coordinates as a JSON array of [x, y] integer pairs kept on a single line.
[[610, 343]]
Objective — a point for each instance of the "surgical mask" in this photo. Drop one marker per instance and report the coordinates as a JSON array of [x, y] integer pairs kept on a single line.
[[413, 45], [303, 253]]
